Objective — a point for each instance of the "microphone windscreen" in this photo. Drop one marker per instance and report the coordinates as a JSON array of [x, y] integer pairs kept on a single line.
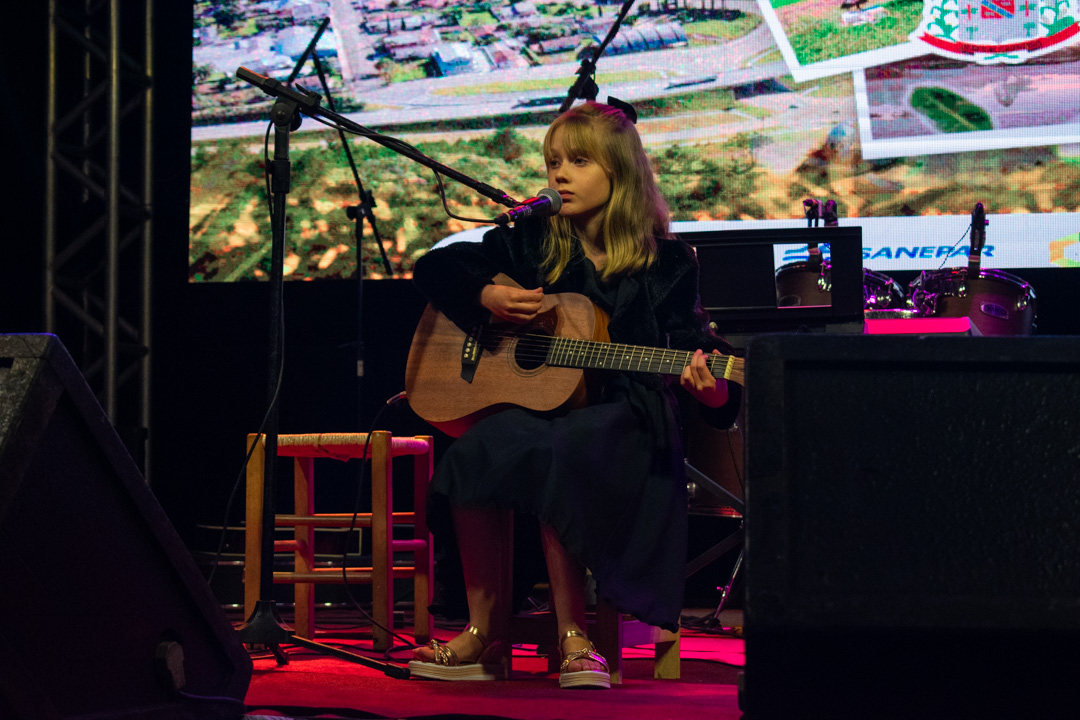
[[552, 195]]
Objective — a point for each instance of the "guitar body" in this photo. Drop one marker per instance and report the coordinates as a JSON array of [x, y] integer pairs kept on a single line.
[[508, 373]]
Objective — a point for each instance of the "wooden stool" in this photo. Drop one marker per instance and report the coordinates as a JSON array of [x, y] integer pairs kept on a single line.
[[382, 449]]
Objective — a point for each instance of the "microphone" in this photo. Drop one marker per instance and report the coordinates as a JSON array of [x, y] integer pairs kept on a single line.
[[547, 202], [828, 215], [978, 239], [812, 210]]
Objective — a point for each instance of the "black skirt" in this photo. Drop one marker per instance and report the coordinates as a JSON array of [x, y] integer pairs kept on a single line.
[[609, 478]]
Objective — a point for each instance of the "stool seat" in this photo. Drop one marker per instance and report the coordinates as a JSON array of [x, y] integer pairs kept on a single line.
[[381, 447], [346, 446]]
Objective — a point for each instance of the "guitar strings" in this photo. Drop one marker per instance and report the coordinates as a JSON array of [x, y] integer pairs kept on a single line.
[[538, 348], [543, 345]]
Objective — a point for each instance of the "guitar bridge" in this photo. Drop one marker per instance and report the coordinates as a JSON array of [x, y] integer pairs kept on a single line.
[[470, 354]]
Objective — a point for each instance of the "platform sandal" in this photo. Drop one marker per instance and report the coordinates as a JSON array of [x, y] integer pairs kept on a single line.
[[583, 678], [491, 664]]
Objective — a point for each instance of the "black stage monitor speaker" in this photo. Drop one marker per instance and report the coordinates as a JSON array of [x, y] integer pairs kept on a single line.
[[104, 612], [913, 527]]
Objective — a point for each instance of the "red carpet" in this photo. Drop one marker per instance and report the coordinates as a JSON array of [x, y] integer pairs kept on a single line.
[[315, 685]]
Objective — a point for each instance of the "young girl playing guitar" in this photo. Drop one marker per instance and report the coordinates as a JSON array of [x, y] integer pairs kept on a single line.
[[606, 481]]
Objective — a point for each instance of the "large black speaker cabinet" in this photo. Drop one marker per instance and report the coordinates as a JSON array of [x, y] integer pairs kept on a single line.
[[103, 612], [913, 527]]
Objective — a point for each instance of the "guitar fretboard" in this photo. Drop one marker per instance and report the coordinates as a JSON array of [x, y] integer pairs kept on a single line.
[[567, 352]]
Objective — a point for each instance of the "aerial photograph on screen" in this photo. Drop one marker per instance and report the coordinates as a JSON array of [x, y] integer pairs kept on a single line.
[[473, 85], [941, 102], [929, 96], [830, 36]]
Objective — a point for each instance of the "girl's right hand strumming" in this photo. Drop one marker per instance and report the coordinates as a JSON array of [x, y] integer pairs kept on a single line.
[[512, 304]]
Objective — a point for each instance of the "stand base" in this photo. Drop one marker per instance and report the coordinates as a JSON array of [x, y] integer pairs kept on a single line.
[[265, 629]]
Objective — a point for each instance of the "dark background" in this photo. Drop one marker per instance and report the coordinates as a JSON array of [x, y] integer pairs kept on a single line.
[[209, 344]]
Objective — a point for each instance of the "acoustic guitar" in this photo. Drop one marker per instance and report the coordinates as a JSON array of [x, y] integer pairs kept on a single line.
[[454, 378]]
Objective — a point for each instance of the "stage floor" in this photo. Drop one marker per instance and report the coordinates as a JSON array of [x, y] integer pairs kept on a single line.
[[317, 685]]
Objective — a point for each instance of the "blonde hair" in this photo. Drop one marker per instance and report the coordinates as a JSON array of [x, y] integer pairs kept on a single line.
[[635, 217]]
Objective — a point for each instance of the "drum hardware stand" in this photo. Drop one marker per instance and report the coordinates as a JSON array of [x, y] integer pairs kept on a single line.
[[264, 626], [357, 213], [732, 541]]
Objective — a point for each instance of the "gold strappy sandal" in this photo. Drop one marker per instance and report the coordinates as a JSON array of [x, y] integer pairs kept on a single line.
[[490, 665], [583, 678]]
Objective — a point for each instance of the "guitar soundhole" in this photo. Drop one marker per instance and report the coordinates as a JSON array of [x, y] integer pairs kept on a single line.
[[531, 351]]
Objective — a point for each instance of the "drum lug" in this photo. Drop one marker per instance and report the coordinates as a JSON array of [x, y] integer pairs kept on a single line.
[[824, 281]]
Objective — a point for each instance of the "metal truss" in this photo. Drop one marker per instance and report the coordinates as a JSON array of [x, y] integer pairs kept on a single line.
[[98, 224]]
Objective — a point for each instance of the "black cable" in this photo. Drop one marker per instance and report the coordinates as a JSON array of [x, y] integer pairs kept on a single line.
[[266, 169], [731, 452], [277, 387], [243, 469], [946, 258], [446, 209], [251, 450], [211, 698], [352, 526], [402, 144]]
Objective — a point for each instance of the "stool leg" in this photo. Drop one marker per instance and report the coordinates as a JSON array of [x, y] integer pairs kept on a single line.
[[382, 555], [666, 656], [253, 526], [423, 560], [609, 640], [506, 586], [304, 555]]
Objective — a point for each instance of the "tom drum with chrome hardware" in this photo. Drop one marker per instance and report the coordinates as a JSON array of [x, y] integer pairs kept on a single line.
[[997, 302], [802, 284], [807, 283], [881, 292]]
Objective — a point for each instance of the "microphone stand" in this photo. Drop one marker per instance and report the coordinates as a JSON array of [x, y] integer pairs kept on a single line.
[[309, 105], [978, 240], [357, 213], [264, 626], [585, 85]]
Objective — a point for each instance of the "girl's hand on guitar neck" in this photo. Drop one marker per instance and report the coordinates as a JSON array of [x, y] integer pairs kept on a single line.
[[699, 382], [512, 304]]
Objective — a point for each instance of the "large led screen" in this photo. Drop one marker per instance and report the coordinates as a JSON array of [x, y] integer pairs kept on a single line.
[[906, 113]]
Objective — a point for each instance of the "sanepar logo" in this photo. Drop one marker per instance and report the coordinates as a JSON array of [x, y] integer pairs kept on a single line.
[[921, 252], [917, 252]]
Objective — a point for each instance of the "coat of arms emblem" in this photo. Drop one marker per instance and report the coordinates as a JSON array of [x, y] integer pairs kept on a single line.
[[998, 31]]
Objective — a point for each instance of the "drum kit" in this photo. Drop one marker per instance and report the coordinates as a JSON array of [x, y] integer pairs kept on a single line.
[[998, 303]]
